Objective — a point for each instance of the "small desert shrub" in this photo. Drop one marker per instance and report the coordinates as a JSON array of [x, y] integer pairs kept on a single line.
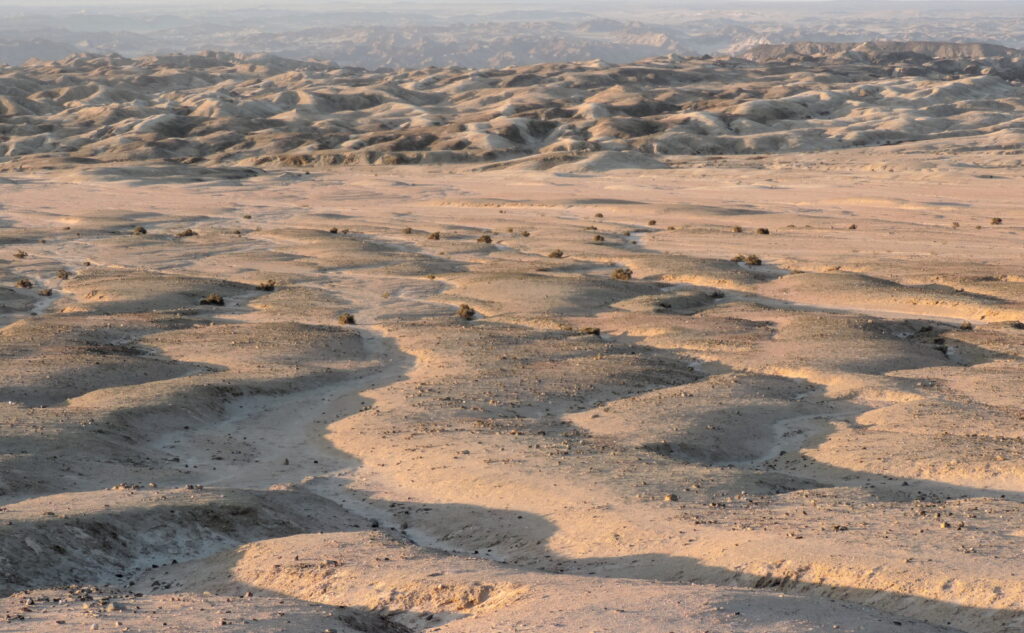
[[651, 222], [212, 299], [247, 216], [853, 227], [763, 231], [556, 254], [966, 325], [996, 220], [436, 235], [347, 319], [23, 283], [187, 233], [407, 231], [590, 228], [45, 292], [333, 230], [737, 229], [622, 274], [956, 225], [752, 260], [431, 277], [627, 232], [140, 230], [20, 255], [63, 274], [598, 215], [525, 234], [267, 286], [484, 239], [465, 312], [598, 238], [591, 331], [510, 230]]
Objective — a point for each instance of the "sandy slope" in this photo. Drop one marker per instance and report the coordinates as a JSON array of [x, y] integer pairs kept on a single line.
[[826, 441]]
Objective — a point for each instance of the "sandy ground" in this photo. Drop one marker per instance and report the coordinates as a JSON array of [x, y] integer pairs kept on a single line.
[[827, 440]]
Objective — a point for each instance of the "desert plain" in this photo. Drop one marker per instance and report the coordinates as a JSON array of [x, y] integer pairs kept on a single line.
[[757, 392]]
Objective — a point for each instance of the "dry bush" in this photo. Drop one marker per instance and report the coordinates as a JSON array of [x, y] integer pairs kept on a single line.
[[333, 229], [465, 312], [590, 228], [212, 299], [140, 230], [525, 234], [45, 292], [598, 215], [737, 229], [63, 274], [407, 231], [556, 254], [484, 239], [598, 238], [996, 220], [436, 235], [23, 283], [651, 222], [622, 274], [267, 286], [187, 233], [20, 255], [763, 231], [966, 325], [590, 331], [752, 260], [956, 225], [247, 216], [347, 319], [853, 227]]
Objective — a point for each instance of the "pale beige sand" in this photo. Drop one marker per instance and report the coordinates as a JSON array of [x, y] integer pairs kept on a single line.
[[815, 443]]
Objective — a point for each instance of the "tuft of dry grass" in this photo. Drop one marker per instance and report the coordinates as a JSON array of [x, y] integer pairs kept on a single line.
[[407, 231], [140, 230], [212, 299], [996, 221], [466, 313], [346, 318], [763, 231], [556, 254], [853, 227], [436, 235], [187, 233], [267, 286], [247, 216], [63, 274], [956, 225], [23, 283], [484, 239], [651, 222], [525, 234], [45, 292], [751, 260], [590, 331], [622, 274], [598, 215], [20, 254], [598, 238], [590, 228], [737, 229]]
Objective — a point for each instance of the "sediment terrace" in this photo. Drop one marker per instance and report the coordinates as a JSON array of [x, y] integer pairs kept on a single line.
[[829, 440]]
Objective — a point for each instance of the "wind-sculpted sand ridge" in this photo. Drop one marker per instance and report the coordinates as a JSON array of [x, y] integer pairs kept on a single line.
[[385, 400], [229, 113]]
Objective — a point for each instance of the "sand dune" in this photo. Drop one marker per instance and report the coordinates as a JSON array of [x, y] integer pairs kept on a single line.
[[124, 118]]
